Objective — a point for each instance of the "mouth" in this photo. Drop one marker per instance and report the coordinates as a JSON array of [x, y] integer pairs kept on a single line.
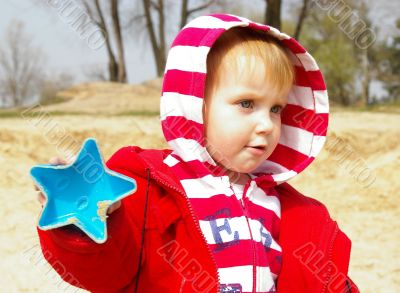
[[256, 149]]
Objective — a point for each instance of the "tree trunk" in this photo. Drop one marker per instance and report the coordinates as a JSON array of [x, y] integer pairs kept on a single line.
[[302, 17], [365, 59], [273, 13], [118, 41], [112, 63], [161, 33], [158, 44], [158, 48], [184, 13], [366, 77]]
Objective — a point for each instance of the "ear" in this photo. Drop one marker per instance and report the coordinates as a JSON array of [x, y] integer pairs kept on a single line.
[[204, 108], [204, 112]]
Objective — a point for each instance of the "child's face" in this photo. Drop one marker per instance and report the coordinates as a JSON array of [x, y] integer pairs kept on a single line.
[[242, 115]]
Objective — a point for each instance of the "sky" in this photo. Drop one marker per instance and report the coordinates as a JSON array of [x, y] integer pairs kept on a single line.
[[67, 52], [63, 47]]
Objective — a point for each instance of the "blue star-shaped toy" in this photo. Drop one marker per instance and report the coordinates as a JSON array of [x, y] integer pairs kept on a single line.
[[81, 192]]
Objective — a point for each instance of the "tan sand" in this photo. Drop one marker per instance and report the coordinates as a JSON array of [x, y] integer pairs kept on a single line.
[[110, 98]]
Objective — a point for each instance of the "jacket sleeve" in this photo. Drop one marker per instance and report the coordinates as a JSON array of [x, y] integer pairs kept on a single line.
[[341, 281], [316, 253], [107, 267]]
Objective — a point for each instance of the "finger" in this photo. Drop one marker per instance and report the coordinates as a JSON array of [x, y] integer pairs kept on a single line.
[[111, 208], [57, 161], [114, 207], [41, 198], [54, 161]]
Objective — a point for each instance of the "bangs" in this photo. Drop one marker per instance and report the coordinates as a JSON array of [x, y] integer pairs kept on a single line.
[[241, 49]]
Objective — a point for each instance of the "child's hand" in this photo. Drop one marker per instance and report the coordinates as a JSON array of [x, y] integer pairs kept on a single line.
[[59, 161]]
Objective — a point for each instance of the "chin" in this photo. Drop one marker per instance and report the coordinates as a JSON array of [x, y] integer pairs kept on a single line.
[[248, 169]]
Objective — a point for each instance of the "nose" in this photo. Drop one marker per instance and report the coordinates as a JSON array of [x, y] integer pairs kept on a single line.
[[264, 124]]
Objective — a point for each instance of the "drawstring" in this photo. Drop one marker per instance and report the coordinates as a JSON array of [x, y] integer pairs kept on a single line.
[[143, 230]]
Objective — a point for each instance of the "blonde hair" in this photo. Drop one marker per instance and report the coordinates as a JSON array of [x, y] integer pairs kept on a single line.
[[278, 67]]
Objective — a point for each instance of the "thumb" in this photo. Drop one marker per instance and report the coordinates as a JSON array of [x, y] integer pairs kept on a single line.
[[114, 207]]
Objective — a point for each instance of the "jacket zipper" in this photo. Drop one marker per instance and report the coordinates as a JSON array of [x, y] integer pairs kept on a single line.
[[324, 289], [182, 284], [252, 242], [192, 213], [246, 188]]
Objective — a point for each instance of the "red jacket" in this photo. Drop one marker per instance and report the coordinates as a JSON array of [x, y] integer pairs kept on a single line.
[[173, 254]]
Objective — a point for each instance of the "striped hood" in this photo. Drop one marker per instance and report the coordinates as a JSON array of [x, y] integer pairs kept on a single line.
[[304, 119]]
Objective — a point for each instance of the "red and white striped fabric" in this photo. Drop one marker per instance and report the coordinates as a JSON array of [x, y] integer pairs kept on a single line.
[[241, 234]]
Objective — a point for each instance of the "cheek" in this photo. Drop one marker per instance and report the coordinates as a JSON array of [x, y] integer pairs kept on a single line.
[[211, 127], [217, 122], [220, 140], [213, 131], [274, 137], [228, 133], [277, 135]]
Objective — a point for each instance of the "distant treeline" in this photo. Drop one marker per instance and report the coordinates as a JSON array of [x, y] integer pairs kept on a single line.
[[339, 34]]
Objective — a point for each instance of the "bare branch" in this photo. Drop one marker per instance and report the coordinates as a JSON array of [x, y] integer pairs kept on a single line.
[[302, 17], [186, 12], [155, 5], [112, 63], [101, 21], [135, 19], [89, 11], [21, 66], [200, 7], [94, 18], [118, 40]]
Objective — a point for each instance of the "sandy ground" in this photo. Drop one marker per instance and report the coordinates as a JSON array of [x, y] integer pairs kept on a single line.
[[96, 97], [355, 176]]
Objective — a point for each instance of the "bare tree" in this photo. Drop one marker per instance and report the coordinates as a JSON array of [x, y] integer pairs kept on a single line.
[[302, 17], [367, 71], [52, 84], [95, 72], [273, 13], [186, 12], [21, 66], [154, 14], [157, 44], [99, 15], [118, 40]]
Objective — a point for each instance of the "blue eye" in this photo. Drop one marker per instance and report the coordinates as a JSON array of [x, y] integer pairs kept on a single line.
[[276, 109], [246, 104]]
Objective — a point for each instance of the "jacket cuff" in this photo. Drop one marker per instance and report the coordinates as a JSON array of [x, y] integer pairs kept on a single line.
[[73, 239]]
